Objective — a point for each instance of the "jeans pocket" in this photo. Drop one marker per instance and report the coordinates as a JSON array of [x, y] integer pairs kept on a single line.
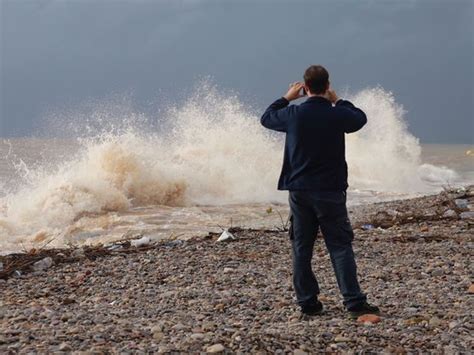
[[346, 228]]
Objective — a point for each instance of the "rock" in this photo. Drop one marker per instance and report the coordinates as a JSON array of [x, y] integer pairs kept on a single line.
[[208, 326], [158, 335], [435, 322], [369, 319], [461, 203], [453, 324], [197, 336], [467, 215], [216, 348], [424, 229], [367, 227], [1, 266], [226, 236], [450, 214], [414, 320], [470, 289], [65, 347], [68, 300], [43, 264], [437, 272], [78, 253], [299, 352], [340, 339]]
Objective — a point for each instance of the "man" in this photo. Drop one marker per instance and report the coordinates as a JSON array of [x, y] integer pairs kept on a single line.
[[315, 173]]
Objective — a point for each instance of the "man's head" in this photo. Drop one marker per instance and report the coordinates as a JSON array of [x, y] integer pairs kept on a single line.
[[316, 80]]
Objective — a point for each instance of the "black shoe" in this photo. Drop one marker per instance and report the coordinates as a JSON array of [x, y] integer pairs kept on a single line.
[[362, 308], [312, 309]]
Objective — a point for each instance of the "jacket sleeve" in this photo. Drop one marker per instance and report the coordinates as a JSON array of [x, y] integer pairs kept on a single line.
[[352, 118], [276, 116]]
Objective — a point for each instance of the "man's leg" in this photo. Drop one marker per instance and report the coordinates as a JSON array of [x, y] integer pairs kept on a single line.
[[303, 230], [338, 236]]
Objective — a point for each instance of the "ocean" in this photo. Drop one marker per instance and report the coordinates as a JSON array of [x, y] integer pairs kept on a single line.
[[204, 166]]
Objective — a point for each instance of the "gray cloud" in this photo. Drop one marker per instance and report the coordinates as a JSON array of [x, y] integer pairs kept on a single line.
[[57, 53]]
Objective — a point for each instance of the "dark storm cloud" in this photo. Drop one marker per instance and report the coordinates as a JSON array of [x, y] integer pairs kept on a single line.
[[56, 53]]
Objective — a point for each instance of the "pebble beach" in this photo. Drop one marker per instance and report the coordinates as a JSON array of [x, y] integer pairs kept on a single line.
[[235, 296]]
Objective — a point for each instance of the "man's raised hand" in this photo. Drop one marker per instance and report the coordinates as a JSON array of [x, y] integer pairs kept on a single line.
[[294, 92]]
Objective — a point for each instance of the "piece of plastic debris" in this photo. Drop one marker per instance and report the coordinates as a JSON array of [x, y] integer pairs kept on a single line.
[[115, 247], [140, 242], [367, 227], [226, 235], [43, 264]]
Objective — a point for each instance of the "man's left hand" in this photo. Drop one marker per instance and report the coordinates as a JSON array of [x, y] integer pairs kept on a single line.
[[294, 92]]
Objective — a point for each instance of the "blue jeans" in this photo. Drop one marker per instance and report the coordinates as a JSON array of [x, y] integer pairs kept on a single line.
[[310, 211]]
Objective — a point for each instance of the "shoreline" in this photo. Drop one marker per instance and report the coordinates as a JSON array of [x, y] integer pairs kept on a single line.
[[201, 295], [359, 214]]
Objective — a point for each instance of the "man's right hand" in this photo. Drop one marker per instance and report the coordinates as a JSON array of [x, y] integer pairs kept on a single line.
[[294, 91]]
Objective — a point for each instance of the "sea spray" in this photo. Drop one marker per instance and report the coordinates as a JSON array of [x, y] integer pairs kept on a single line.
[[213, 152], [384, 156]]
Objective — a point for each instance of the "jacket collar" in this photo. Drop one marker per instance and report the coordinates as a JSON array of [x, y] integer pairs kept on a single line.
[[318, 99]]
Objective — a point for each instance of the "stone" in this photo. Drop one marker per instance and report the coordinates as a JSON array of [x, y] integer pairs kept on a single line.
[[68, 300], [158, 335], [435, 322], [470, 289], [414, 320], [197, 336], [453, 324], [340, 339], [43, 264], [299, 352], [65, 347], [450, 214], [78, 253], [461, 203], [467, 215], [216, 348], [369, 319]]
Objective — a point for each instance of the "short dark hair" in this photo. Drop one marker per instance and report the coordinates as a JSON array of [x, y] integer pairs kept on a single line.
[[316, 78]]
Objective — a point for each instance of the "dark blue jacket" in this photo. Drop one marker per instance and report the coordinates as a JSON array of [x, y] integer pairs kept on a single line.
[[314, 156]]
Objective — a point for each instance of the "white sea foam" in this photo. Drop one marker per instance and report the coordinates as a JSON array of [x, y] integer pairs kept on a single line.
[[214, 152], [384, 156]]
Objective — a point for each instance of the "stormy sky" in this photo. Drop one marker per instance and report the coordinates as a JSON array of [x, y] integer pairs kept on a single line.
[[62, 53]]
